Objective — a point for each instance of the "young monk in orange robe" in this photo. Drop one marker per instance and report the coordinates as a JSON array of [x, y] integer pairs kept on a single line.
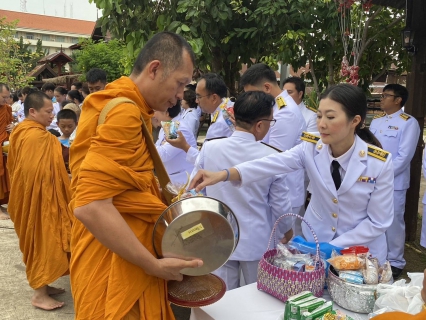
[[114, 273], [39, 197], [6, 127]]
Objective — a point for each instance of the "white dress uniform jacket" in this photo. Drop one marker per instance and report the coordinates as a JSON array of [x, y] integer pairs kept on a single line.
[[398, 133], [284, 135], [174, 158], [218, 129], [359, 213], [257, 205], [423, 235], [310, 117], [190, 116]]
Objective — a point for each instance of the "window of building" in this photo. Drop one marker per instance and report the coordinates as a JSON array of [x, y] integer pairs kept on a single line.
[[74, 40], [60, 39], [16, 35], [30, 36], [45, 37]]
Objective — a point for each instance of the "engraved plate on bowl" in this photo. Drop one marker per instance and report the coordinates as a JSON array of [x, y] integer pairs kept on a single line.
[[197, 227]]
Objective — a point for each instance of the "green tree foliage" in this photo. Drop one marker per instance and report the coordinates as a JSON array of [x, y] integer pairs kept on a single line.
[[27, 53], [227, 33], [15, 63], [104, 55]]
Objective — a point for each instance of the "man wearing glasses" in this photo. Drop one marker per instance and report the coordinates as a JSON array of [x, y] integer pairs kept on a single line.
[[211, 92], [398, 133], [288, 129], [258, 205]]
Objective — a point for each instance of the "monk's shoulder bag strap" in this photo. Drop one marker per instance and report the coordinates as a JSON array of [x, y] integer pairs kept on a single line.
[[160, 170]]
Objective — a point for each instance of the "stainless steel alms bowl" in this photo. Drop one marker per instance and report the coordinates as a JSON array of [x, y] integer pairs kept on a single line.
[[197, 227]]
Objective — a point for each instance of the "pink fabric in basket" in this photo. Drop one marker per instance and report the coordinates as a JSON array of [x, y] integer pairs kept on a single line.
[[282, 283]]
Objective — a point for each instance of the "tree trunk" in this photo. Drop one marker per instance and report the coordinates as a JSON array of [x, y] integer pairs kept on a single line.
[[314, 77], [228, 70]]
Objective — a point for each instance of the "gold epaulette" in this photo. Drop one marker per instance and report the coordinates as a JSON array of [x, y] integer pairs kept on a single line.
[[377, 116], [405, 116], [312, 109], [306, 136], [215, 115], [378, 153], [280, 102]]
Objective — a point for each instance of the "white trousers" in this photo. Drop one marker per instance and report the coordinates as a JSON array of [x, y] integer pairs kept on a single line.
[[230, 273], [395, 235], [423, 236]]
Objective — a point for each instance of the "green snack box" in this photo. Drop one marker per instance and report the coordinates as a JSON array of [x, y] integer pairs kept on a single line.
[[297, 297], [310, 306], [318, 313], [292, 308]]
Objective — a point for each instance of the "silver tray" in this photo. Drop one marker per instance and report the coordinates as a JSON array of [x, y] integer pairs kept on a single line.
[[197, 227], [354, 297]]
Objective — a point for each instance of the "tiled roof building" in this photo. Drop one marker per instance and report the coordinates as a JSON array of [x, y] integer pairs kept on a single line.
[[55, 32]]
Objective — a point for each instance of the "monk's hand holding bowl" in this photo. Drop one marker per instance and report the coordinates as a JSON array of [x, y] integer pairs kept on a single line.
[[169, 268]]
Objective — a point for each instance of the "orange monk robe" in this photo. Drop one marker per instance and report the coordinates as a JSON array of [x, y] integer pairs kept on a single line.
[[6, 118], [38, 203], [400, 316], [112, 161]]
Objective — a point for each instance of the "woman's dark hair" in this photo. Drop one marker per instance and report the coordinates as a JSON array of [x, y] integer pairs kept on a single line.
[[75, 94], [354, 103], [175, 110], [190, 97], [64, 103], [61, 90]]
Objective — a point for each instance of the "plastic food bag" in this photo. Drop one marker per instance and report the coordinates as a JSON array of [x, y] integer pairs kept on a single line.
[[401, 296], [346, 262], [170, 128], [371, 271], [385, 273], [180, 192]]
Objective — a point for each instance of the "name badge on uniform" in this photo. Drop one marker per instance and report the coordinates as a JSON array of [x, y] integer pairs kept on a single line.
[[215, 115], [367, 179], [393, 127]]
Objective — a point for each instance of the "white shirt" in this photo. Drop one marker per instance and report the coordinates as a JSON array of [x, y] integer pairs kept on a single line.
[[256, 205], [398, 133], [21, 113], [284, 135], [199, 112], [218, 128], [190, 116], [174, 158], [310, 117], [343, 160], [359, 213]]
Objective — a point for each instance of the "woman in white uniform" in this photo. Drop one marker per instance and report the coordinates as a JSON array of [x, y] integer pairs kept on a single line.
[[189, 111], [351, 178]]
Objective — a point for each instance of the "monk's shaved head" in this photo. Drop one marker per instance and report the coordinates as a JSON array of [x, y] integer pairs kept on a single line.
[[4, 94], [166, 47], [35, 100], [4, 86]]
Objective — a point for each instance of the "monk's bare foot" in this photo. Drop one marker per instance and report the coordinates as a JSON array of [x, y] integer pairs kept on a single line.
[[52, 290], [4, 216], [42, 300]]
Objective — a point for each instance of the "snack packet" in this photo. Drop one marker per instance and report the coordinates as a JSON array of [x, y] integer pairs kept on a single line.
[[319, 312], [346, 262], [385, 273], [170, 128], [371, 272], [292, 307], [297, 297], [352, 277]]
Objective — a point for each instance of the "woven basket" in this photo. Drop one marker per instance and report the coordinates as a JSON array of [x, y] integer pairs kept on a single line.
[[282, 283]]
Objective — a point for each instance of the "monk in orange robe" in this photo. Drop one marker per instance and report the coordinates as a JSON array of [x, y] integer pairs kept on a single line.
[[39, 198], [114, 271], [6, 127]]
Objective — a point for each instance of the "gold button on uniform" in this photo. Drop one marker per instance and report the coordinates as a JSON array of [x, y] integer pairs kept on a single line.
[[335, 200], [319, 147], [333, 228], [362, 153], [334, 215]]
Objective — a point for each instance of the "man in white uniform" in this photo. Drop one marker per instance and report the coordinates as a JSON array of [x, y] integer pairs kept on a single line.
[[398, 133], [288, 129], [49, 89], [173, 158], [295, 88], [211, 95], [258, 205]]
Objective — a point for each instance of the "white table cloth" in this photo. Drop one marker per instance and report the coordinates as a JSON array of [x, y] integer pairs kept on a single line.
[[248, 303]]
